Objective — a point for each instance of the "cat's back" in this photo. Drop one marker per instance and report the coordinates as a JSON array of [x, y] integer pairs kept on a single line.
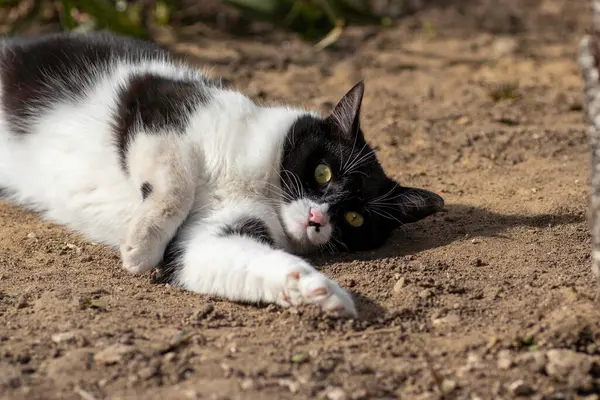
[[37, 73]]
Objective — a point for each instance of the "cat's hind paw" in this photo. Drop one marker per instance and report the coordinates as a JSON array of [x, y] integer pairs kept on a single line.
[[315, 288]]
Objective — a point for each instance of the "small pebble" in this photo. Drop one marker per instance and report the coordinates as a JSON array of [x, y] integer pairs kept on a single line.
[[290, 384], [247, 384], [448, 386], [399, 285], [479, 263], [336, 393], [521, 388], [463, 120], [504, 46], [113, 354], [64, 337], [147, 372], [450, 319], [192, 394], [536, 359], [233, 348], [22, 301], [227, 369], [349, 283], [359, 394], [203, 311], [84, 394], [71, 246], [504, 359]]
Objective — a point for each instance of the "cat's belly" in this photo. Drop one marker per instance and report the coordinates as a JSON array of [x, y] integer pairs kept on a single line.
[[68, 169], [89, 202]]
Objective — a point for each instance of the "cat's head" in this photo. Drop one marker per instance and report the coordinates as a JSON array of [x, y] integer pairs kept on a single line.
[[335, 193]]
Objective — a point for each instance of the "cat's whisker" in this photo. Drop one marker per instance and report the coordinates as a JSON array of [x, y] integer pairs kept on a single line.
[[298, 184], [278, 191], [352, 161], [385, 214], [352, 157], [361, 173], [341, 151], [295, 183], [335, 239], [362, 160], [326, 247], [390, 208], [331, 247], [386, 194], [406, 200], [381, 127], [290, 190], [351, 151]]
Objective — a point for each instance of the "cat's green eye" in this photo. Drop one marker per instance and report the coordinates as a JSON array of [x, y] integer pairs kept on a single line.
[[322, 174], [355, 219]]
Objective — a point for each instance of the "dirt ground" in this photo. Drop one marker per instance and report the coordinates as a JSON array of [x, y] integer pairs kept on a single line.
[[492, 298]]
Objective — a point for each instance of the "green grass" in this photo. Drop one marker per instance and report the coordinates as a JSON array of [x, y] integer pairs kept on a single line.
[[321, 20]]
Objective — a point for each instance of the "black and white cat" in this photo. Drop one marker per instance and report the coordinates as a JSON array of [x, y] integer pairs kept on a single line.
[[115, 139]]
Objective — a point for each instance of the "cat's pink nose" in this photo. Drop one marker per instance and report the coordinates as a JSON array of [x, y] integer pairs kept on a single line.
[[316, 217]]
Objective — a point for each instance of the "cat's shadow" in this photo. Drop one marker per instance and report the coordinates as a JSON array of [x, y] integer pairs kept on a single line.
[[454, 223]]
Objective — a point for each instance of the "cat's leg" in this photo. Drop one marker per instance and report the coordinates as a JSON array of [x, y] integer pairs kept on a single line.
[[241, 268], [163, 169]]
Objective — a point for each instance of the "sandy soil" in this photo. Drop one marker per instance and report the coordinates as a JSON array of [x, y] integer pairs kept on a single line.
[[492, 298]]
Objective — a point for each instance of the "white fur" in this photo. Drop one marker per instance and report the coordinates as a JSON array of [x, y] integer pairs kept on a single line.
[[294, 215], [225, 166]]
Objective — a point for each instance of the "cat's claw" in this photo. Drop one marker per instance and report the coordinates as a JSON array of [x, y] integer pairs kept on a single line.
[[314, 288]]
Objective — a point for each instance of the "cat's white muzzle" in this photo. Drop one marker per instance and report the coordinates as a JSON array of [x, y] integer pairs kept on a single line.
[[306, 222]]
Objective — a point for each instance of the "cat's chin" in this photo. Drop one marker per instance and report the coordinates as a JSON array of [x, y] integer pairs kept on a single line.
[[319, 237], [305, 243]]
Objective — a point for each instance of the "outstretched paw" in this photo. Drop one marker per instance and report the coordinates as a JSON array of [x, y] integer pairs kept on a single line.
[[311, 287]]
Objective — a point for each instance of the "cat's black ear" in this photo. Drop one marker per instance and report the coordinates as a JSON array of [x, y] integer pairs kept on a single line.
[[413, 204], [345, 116]]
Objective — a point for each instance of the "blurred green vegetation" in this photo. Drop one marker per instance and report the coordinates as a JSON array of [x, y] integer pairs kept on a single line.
[[312, 19]]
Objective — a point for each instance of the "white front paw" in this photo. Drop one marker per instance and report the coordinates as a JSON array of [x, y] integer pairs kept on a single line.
[[138, 259], [307, 286]]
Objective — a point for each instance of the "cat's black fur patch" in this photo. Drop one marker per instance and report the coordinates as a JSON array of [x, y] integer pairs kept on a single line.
[[338, 142], [39, 72], [170, 263], [155, 104], [146, 189], [252, 227]]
